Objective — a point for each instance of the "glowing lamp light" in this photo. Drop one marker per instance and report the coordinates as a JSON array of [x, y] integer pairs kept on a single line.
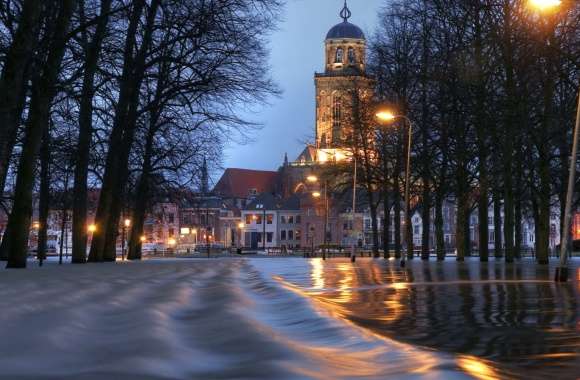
[[241, 226], [185, 231], [127, 222], [385, 116], [545, 4], [92, 228], [312, 178], [36, 225], [143, 239], [171, 242], [316, 194]]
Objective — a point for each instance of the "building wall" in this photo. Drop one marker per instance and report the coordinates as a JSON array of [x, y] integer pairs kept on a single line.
[[255, 226]]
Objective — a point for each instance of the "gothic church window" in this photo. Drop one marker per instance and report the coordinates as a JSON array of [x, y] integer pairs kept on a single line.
[[336, 111], [339, 54]]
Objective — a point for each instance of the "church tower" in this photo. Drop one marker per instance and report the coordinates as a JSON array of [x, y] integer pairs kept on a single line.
[[345, 72]]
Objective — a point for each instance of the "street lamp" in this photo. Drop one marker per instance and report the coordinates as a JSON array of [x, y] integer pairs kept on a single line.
[[386, 116], [544, 5], [92, 228], [317, 194]]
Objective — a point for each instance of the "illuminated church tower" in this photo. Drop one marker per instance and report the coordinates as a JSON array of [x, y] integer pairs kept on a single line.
[[345, 72]]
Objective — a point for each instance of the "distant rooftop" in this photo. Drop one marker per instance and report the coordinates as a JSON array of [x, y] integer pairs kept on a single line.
[[243, 183]]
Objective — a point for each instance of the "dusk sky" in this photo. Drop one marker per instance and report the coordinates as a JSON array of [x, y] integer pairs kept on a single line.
[[297, 51]]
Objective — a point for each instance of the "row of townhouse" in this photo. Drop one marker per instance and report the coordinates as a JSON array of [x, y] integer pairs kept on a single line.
[[449, 226]]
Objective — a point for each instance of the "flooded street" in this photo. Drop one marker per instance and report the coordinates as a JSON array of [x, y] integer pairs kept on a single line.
[[289, 318]]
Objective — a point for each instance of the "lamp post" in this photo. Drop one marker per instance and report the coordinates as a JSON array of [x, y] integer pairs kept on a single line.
[[387, 116], [324, 195]]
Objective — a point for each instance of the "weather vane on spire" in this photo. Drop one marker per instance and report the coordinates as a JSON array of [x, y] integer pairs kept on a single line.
[[345, 13]]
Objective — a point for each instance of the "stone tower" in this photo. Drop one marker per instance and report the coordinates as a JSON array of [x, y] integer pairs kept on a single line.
[[345, 72]]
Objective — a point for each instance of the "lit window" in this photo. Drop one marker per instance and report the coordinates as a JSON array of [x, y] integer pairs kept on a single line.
[[339, 55], [269, 218], [351, 56]]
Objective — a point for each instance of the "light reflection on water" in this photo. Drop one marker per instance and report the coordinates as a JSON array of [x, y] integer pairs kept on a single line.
[[494, 317]]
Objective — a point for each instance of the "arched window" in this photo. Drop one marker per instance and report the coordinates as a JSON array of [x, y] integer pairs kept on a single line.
[[351, 56], [336, 111], [339, 55]]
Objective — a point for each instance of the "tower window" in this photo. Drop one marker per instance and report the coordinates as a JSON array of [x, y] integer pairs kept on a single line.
[[339, 56], [351, 56]]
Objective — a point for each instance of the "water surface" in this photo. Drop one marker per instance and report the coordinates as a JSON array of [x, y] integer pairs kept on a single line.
[[288, 318]]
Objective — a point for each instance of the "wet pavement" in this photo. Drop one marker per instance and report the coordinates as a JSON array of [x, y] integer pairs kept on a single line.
[[289, 318]]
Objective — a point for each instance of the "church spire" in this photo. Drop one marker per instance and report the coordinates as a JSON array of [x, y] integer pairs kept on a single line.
[[345, 13]]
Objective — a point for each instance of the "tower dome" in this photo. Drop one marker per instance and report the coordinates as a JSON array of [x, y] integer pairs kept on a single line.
[[345, 29], [345, 46]]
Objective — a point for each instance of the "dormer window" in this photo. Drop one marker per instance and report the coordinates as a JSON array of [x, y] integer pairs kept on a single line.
[[351, 56], [339, 56]]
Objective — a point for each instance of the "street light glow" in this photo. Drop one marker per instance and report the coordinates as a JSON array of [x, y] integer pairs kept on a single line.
[[545, 4], [127, 222], [172, 241], [92, 228], [241, 226], [316, 194], [312, 178], [143, 239], [385, 115]]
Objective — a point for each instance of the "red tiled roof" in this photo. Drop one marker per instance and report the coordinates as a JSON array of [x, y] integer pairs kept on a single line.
[[237, 183]]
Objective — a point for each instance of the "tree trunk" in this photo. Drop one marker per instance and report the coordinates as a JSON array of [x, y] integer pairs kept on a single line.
[[497, 228], [135, 243], [13, 81], [375, 227], [543, 226], [43, 93], [44, 196], [108, 188], [386, 224], [426, 222], [463, 212], [439, 226], [482, 138], [79, 239], [117, 172]]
